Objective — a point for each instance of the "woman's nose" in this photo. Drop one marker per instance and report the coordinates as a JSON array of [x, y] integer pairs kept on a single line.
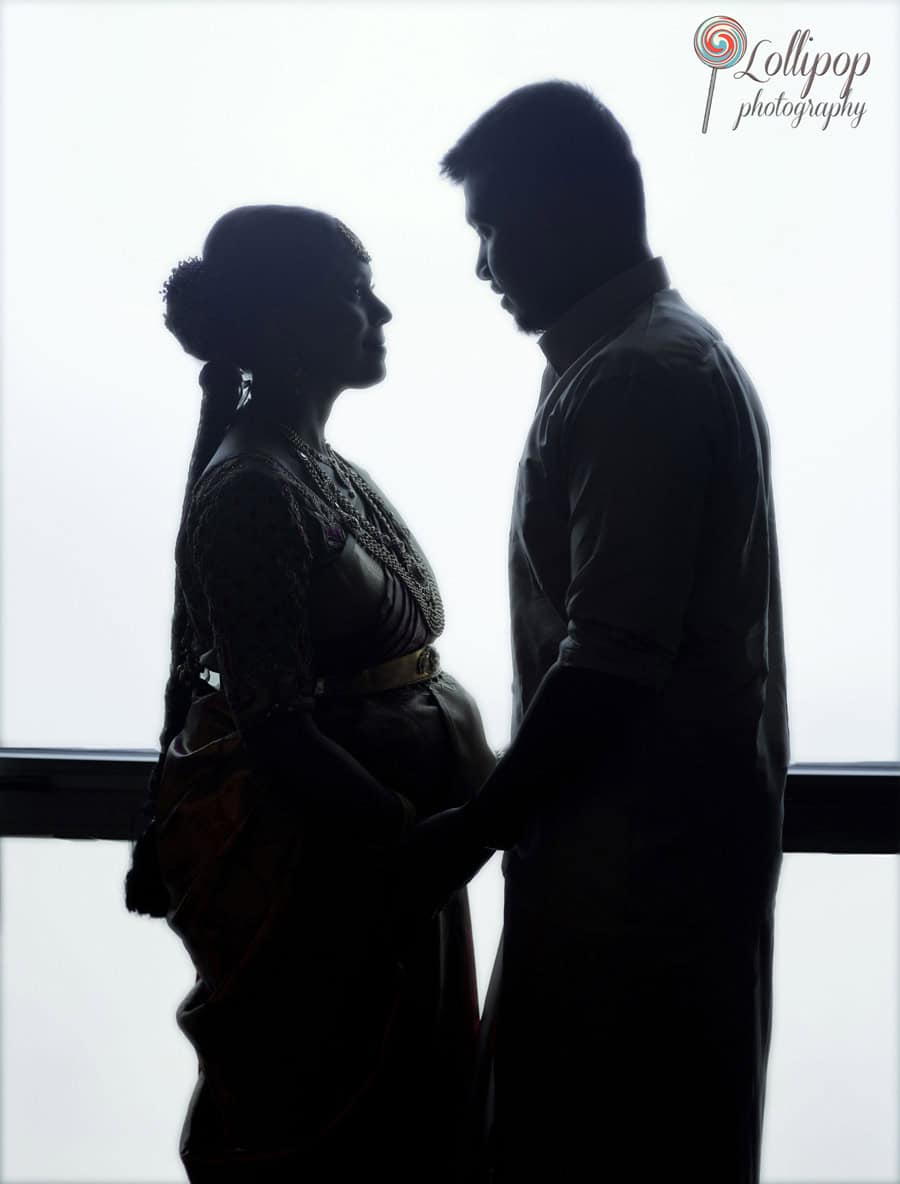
[[383, 313]]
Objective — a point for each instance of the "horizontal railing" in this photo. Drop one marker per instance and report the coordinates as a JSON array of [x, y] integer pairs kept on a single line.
[[98, 794]]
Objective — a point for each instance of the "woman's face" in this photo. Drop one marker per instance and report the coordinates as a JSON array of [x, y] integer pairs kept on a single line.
[[336, 335]]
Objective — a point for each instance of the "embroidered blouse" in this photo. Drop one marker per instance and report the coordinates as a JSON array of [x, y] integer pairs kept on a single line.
[[279, 592]]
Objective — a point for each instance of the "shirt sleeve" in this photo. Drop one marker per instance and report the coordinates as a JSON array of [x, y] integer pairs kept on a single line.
[[636, 457], [253, 561]]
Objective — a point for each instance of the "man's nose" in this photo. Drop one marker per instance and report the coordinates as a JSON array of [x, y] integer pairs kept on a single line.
[[481, 268]]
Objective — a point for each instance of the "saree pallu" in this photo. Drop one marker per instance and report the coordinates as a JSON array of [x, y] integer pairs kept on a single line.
[[333, 1043]]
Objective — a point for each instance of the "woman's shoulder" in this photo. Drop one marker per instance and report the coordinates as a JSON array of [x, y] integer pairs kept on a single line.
[[247, 447], [250, 456], [252, 484], [242, 486], [246, 469]]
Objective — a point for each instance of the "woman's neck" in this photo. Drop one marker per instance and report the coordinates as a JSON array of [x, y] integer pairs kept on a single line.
[[303, 408]]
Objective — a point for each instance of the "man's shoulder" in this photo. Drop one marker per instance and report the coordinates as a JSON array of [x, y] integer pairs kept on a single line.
[[667, 334], [665, 344], [663, 369]]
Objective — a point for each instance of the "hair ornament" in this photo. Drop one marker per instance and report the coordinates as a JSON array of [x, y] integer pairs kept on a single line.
[[355, 243], [184, 278]]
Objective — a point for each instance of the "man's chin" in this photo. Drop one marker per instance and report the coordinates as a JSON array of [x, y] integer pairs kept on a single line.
[[524, 323]]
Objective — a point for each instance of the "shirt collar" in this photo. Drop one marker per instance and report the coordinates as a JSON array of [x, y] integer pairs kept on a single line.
[[600, 310]]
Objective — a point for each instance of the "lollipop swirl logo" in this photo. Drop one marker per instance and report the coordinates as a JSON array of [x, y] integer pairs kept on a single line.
[[719, 43]]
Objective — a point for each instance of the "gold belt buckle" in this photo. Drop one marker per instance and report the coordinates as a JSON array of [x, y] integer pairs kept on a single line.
[[427, 661], [395, 673]]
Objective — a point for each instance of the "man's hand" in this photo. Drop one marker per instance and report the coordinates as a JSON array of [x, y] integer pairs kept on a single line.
[[502, 810], [439, 855], [578, 719]]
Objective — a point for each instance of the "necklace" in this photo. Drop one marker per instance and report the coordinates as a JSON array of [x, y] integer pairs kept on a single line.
[[382, 536]]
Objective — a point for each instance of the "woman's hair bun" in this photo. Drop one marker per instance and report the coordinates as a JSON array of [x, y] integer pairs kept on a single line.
[[192, 314]]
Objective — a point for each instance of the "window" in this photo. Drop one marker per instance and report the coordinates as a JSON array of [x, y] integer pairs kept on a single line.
[[127, 130]]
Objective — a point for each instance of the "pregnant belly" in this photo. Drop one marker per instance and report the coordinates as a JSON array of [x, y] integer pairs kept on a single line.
[[400, 737]]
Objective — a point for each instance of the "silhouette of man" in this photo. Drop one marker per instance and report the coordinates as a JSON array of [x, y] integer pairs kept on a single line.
[[640, 801]]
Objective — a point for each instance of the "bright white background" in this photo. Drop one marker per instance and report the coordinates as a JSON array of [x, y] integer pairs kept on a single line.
[[128, 128]]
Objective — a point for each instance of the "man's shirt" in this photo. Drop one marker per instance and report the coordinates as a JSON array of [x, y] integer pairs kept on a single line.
[[643, 541]]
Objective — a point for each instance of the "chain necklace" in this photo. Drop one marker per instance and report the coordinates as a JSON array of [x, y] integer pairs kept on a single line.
[[383, 537]]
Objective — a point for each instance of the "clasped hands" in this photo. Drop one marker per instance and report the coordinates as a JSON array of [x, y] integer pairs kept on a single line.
[[441, 853], [577, 716]]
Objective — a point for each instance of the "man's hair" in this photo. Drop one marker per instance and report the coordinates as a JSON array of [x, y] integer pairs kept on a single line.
[[556, 142]]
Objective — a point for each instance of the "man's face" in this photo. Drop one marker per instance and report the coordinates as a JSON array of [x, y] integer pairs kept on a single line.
[[518, 254]]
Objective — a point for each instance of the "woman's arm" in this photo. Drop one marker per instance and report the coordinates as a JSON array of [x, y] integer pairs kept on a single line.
[[253, 559], [301, 761]]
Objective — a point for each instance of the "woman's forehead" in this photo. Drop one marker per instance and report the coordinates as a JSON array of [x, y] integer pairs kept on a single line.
[[351, 239], [352, 267], [336, 275]]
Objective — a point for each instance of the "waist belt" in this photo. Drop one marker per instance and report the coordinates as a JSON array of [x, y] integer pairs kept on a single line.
[[396, 672]]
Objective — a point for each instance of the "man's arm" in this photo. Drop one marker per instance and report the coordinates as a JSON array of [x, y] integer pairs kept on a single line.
[[577, 716], [634, 461]]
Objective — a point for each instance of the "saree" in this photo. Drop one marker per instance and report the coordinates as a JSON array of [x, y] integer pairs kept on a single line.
[[335, 1024]]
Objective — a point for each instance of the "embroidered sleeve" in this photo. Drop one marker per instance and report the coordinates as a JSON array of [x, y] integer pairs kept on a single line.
[[252, 557]]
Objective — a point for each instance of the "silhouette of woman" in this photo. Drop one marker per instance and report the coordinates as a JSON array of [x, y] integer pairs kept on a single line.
[[307, 828]]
